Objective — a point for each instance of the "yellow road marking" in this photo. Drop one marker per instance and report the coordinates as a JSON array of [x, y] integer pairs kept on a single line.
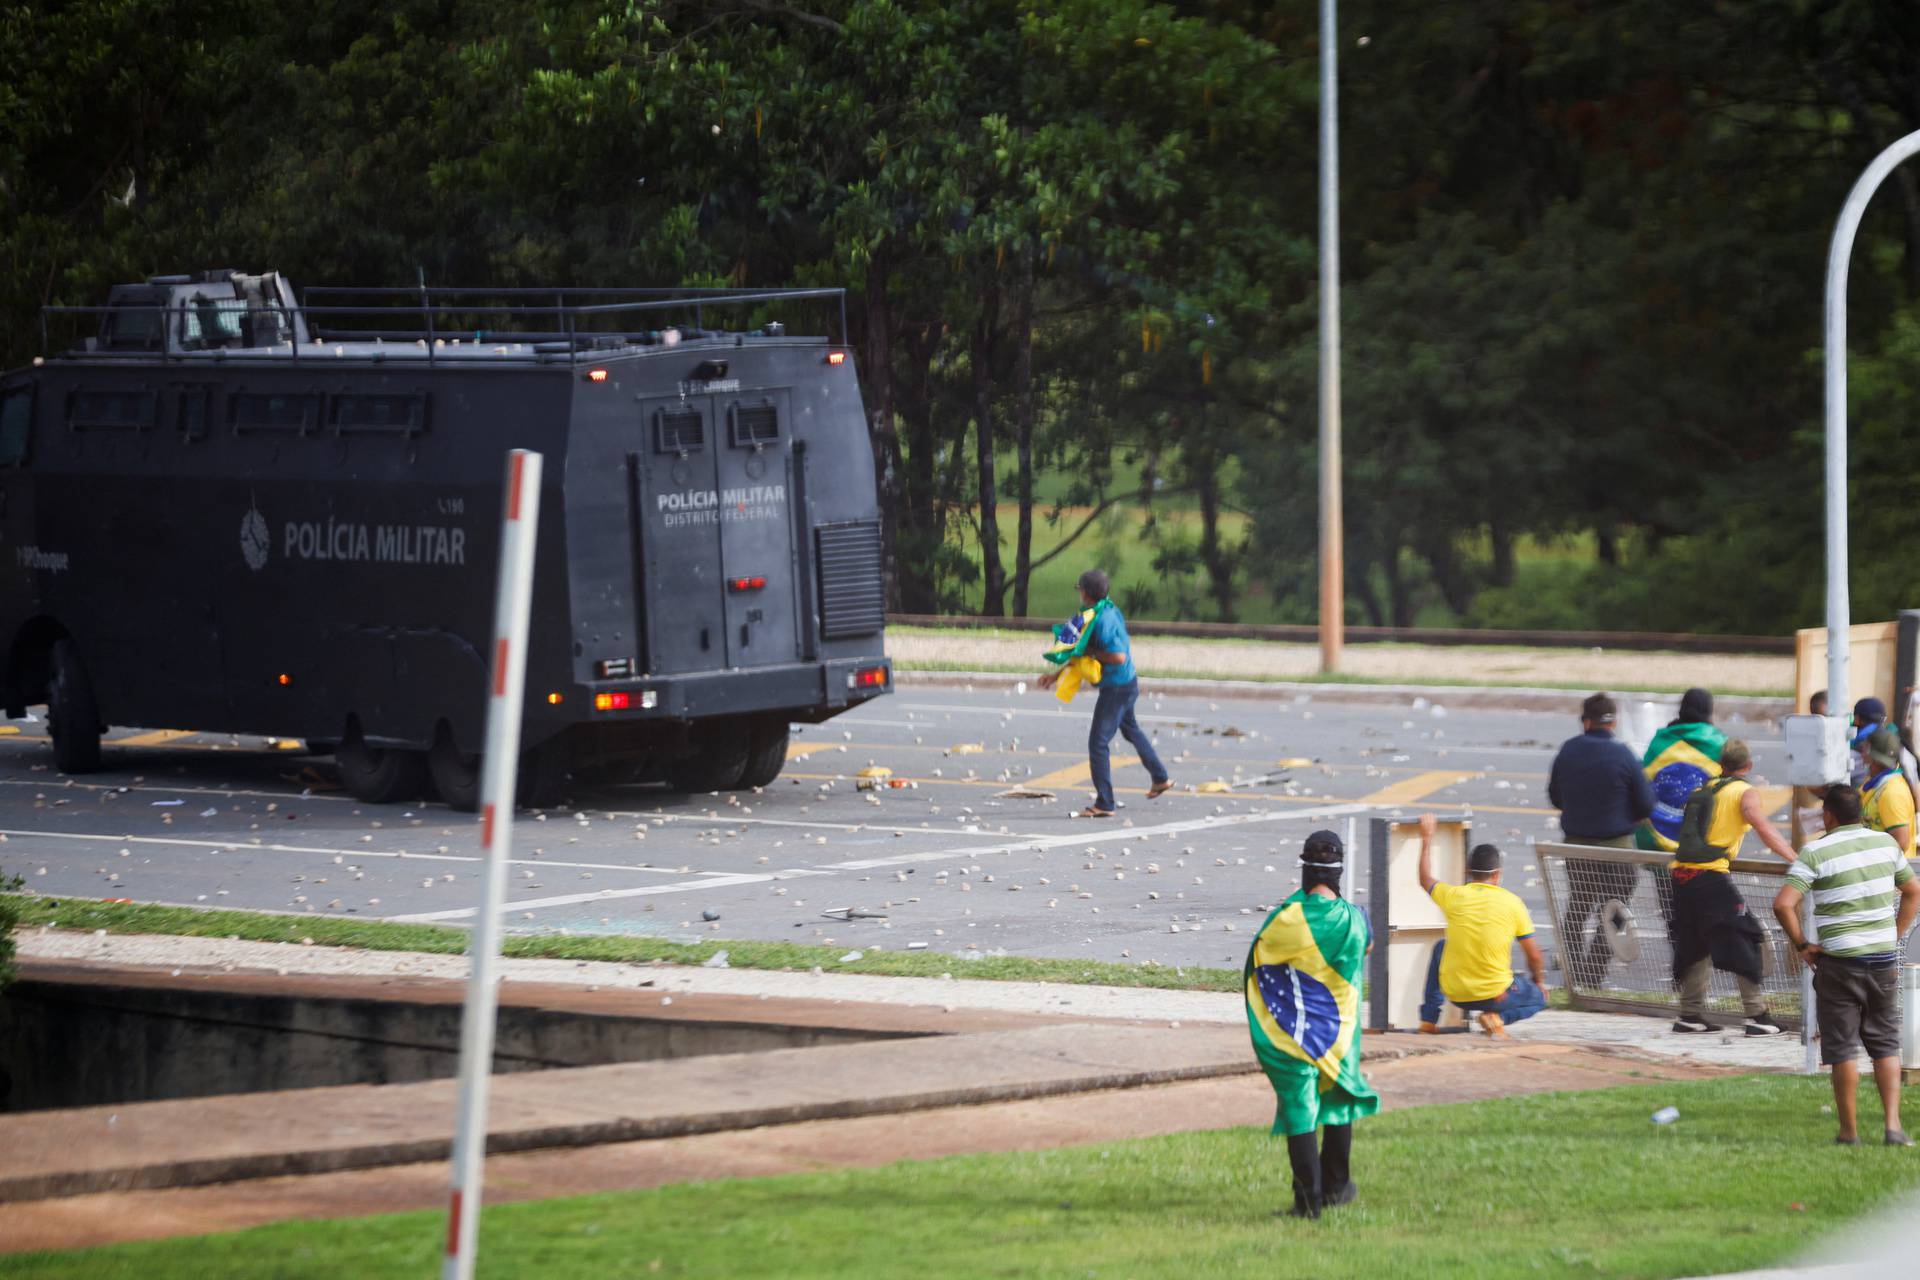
[[1418, 787], [153, 739], [1074, 774], [8, 730], [801, 750]]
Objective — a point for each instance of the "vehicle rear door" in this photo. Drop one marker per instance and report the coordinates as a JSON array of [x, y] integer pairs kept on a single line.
[[677, 527], [753, 462]]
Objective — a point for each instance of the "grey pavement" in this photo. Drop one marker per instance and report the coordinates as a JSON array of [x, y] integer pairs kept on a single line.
[[951, 863]]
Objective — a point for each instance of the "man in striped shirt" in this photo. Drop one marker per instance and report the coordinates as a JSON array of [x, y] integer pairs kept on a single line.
[[1865, 897]]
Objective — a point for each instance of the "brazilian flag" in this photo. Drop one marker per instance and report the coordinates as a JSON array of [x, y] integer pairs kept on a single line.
[[1303, 985], [1070, 637], [1680, 759]]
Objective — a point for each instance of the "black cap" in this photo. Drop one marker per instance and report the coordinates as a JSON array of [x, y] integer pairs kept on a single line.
[[1324, 848], [1869, 711]]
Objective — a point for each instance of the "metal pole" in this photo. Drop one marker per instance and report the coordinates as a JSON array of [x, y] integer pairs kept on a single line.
[[1839, 608], [513, 601], [1333, 617]]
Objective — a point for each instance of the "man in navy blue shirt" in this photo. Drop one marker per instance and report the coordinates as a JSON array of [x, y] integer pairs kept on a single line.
[[1602, 794], [1119, 690]]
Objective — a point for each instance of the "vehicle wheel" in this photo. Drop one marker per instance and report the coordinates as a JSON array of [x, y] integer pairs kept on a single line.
[[456, 775], [381, 775], [767, 754], [73, 717], [543, 775], [716, 764]]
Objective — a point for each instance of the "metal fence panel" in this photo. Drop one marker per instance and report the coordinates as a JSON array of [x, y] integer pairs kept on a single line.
[[1611, 909]]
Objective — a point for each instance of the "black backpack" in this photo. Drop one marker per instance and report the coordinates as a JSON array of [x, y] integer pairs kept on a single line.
[[1696, 818]]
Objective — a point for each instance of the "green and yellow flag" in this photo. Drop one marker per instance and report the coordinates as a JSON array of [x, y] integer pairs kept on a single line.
[[1680, 759], [1069, 651], [1303, 985]]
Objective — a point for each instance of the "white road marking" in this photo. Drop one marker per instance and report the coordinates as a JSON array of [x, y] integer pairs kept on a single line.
[[736, 820], [1104, 833], [149, 789], [717, 881], [396, 854]]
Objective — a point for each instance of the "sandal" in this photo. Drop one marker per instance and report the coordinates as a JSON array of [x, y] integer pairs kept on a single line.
[[1159, 788], [1092, 812]]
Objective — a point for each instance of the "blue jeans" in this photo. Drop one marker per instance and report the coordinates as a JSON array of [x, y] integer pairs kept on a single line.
[[1521, 1001], [1114, 710]]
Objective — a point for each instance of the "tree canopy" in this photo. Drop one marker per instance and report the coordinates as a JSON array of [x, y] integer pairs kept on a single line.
[[1583, 248]]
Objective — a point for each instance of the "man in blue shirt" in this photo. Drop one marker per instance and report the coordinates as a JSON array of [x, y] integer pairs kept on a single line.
[[1602, 794], [1119, 690]]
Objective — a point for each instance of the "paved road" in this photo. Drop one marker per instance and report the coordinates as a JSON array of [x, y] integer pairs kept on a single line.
[[950, 862]]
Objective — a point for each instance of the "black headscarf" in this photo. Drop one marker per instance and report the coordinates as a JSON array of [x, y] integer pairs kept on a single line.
[[1696, 707]]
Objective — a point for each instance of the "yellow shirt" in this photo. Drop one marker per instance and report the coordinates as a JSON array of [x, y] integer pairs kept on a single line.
[[1890, 805], [1483, 921], [1727, 828]]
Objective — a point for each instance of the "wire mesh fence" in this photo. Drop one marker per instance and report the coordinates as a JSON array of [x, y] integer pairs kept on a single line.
[[1612, 913]]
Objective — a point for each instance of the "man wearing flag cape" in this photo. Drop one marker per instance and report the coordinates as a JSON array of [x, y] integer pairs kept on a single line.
[[1681, 758], [1304, 981]]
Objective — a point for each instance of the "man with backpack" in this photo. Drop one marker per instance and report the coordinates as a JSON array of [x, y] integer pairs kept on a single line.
[[1711, 925]]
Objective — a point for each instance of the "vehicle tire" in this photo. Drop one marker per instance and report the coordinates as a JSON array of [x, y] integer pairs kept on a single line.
[[767, 754], [73, 716], [543, 775], [456, 775], [381, 775], [717, 762]]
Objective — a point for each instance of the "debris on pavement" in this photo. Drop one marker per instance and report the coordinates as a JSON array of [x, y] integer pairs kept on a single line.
[[1025, 793]]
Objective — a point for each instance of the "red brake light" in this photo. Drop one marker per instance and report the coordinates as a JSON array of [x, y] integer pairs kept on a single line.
[[870, 678], [746, 584], [596, 375], [836, 357], [612, 701]]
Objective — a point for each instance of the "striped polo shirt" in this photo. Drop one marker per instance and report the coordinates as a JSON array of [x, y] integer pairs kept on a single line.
[[1853, 875]]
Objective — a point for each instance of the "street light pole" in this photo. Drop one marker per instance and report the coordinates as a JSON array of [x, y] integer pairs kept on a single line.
[[1332, 558], [1839, 607]]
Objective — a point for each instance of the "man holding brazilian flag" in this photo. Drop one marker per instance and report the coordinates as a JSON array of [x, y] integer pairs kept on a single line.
[[1304, 980]]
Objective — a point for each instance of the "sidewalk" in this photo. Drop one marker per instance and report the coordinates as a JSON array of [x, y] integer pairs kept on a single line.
[[935, 996]]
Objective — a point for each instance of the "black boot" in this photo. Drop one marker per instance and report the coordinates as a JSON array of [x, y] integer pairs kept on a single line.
[[1304, 1154], [1336, 1149]]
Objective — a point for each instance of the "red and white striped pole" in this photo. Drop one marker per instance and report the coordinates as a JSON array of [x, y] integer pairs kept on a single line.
[[513, 601]]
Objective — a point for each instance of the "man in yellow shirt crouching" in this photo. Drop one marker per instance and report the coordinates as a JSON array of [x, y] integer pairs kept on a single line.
[[1474, 966]]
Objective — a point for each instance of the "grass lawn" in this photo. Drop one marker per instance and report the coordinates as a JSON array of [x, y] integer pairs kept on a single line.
[[1558, 1184], [374, 935]]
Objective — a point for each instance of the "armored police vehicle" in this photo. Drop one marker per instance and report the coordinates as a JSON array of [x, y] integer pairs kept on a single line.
[[223, 509]]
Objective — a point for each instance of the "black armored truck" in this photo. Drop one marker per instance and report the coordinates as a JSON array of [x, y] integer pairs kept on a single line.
[[229, 508]]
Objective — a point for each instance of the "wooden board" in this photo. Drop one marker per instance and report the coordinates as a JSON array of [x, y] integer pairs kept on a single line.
[[1414, 923], [1871, 655]]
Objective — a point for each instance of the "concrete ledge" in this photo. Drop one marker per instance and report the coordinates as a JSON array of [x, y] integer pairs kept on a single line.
[[195, 1141]]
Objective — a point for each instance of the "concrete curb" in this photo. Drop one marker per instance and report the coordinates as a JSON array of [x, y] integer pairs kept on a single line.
[[195, 1141], [1466, 697]]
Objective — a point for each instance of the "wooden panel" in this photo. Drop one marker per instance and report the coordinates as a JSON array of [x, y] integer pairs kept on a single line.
[[1414, 923], [1872, 652], [1408, 906]]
